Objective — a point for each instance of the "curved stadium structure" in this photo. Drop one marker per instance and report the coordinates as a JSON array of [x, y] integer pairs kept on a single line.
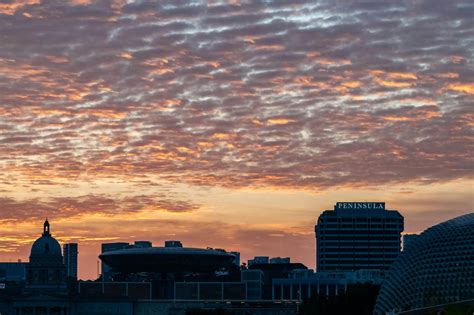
[[171, 259], [438, 268]]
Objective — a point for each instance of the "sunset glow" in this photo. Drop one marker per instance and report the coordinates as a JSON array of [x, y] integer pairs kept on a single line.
[[229, 124]]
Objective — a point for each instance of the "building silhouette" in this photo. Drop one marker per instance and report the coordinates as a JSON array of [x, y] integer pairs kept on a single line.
[[46, 270], [45, 290], [358, 235], [108, 247], [70, 259], [12, 271], [436, 268]]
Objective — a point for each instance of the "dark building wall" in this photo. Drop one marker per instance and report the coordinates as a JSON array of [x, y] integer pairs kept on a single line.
[[357, 236], [70, 253], [6, 308], [181, 308]]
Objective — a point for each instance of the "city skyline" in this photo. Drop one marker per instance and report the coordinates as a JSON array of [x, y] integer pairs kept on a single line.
[[87, 266], [229, 124]]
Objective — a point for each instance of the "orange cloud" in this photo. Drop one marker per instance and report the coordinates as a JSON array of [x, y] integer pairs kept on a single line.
[[126, 55], [221, 136], [160, 71], [456, 59], [332, 62], [81, 2], [394, 84], [351, 84], [402, 75], [447, 75], [11, 8], [268, 47], [461, 87], [279, 121], [308, 81], [415, 114], [249, 39]]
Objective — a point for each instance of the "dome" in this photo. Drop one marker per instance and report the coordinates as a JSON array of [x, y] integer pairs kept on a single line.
[[438, 268], [46, 245]]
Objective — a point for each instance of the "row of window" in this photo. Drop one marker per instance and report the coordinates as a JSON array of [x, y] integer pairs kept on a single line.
[[359, 226], [304, 291], [388, 239], [370, 232], [334, 267], [348, 256], [399, 220], [366, 250], [371, 244], [329, 261]]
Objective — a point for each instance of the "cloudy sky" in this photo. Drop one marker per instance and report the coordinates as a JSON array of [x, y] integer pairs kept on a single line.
[[229, 124]]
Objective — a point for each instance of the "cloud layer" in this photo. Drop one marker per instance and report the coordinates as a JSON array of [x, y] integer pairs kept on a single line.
[[236, 95], [36, 209]]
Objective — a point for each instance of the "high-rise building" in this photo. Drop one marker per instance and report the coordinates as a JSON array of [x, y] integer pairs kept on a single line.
[[358, 235], [70, 259]]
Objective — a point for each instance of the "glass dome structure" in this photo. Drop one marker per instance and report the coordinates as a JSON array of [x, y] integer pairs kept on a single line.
[[438, 268]]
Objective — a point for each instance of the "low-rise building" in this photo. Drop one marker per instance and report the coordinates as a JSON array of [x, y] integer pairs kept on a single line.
[[12, 272], [302, 284]]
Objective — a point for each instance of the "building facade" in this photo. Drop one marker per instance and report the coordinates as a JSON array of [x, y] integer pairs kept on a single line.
[[303, 284], [358, 235], [436, 269], [70, 259], [46, 270], [12, 271]]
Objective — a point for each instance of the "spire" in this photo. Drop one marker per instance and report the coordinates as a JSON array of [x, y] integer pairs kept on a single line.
[[46, 228]]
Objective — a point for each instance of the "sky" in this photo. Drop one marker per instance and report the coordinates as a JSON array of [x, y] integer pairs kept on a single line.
[[229, 124]]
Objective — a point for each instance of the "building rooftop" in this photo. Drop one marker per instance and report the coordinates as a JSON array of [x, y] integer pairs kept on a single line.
[[361, 210]]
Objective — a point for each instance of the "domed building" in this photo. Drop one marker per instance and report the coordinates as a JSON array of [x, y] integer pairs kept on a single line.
[[46, 269], [437, 269], [45, 290]]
